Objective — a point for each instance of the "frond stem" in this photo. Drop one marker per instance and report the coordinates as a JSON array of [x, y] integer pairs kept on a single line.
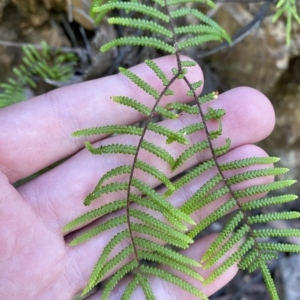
[[151, 115]]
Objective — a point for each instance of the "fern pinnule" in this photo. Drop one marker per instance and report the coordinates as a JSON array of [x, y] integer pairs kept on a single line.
[[258, 203], [195, 172], [144, 282], [263, 188], [276, 232], [158, 234], [141, 24], [156, 257], [268, 280], [279, 247], [139, 41], [133, 104], [159, 200], [246, 162], [194, 86], [132, 285], [105, 189], [130, 6], [217, 214], [166, 252], [119, 237], [235, 257], [113, 281], [194, 41], [98, 229], [207, 2], [217, 194], [255, 174], [263, 218], [201, 192], [94, 214], [109, 129], [158, 152], [110, 265], [171, 136], [161, 226], [140, 83], [158, 71], [237, 236], [112, 148], [173, 279], [221, 238]]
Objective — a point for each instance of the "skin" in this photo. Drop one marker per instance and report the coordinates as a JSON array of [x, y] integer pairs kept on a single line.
[[36, 261]]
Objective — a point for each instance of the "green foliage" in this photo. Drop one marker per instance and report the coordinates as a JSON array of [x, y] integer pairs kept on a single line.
[[144, 215], [46, 64], [288, 7]]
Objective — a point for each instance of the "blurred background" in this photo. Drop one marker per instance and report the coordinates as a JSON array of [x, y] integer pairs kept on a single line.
[[258, 57]]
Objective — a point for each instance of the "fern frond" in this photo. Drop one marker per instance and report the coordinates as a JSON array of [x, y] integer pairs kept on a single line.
[[113, 281], [102, 259], [229, 227], [166, 252], [141, 24], [139, 41], [133, 104], [242, 250], [156, 257], [258, 203], [218, 213], [173, 279], [98, 229], [263, 218], [113, 148], [94, 214], [110, 129]]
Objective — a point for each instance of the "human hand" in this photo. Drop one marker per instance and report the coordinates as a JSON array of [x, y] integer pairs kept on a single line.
[[36, 261]]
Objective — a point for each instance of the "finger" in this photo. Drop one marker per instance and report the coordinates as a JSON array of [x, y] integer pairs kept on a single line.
[[167, 291], [96, 245], [73, 180], [37, 133]]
